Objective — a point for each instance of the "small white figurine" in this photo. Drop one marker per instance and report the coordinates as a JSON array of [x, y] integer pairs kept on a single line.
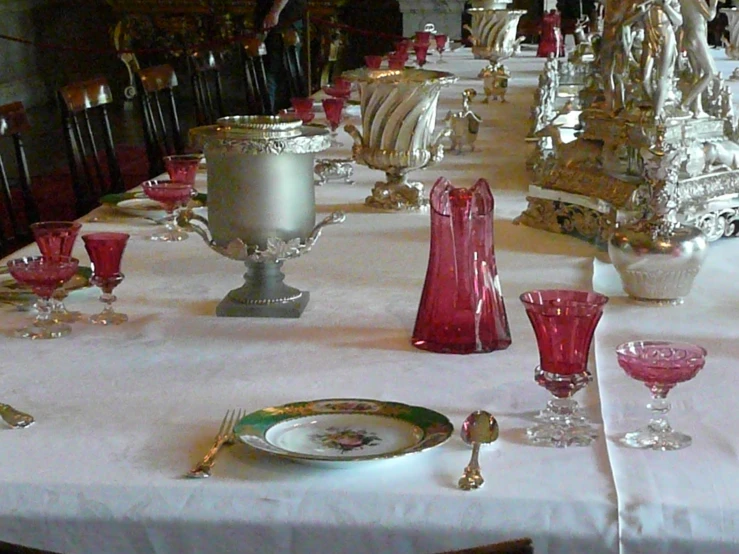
[[464, 124]]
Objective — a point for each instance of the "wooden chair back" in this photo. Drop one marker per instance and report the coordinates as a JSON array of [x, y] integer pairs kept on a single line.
[[206, 87], [253, 52], [88, 140], [13, 123], [518, 546], [293, 64], [162, 130]]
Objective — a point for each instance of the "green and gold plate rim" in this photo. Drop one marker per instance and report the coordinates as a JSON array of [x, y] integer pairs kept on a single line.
[[11, 291], [115, 199], [435, 427]]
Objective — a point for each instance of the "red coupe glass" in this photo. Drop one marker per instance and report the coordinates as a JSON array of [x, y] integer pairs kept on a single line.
[[660, 365], [106, 251], [441, 41], [461, 309], [421, 50], [183, 167], [373, 62], [564, 323], [57, 238], [333, 108], [171, 195], [44, 275]]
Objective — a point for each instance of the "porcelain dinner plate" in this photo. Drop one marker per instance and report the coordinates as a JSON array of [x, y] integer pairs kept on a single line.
[[334, 432], [138, 205]]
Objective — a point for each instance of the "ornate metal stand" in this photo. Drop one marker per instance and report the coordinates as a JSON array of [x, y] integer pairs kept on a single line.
[[586, 186]]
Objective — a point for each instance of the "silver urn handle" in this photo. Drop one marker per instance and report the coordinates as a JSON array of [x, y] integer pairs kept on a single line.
[[277, 250]]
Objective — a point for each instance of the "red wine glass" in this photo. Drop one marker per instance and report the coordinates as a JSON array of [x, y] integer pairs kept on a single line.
[[333, 108], [421, 50], [303, 108], [423, 37], [373, 62], [441, 41], [106, 251], [57, 238], [564, 323], [183, 167], [172, 195], [43, 274], [660, 365]]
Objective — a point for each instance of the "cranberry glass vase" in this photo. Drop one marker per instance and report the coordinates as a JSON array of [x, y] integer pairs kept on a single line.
[[462, 309], [564, 323]]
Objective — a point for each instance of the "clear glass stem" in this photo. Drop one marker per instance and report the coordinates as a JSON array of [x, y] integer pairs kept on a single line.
[[659, 407], [43, 317]]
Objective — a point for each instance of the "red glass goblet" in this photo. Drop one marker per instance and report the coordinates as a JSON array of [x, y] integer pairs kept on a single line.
[[397, 61], [333, 108], [403, 46], [440, 46], [57, 238], [373, 62], [421, 50], [183, 167], [105, 251], [564, 323], [423, 37], [660, 365], [172, 195], [44, 274]]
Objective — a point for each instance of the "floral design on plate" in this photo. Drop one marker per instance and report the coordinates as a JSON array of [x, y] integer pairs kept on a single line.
[[346, 406], [346, 439]]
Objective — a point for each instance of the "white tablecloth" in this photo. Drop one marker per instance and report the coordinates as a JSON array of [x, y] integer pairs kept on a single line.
[[123, 412]]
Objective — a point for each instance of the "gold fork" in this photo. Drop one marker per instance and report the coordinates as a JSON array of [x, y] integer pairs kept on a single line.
[[225, 436]]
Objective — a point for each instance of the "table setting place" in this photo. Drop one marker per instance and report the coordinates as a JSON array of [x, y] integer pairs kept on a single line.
[[397, 401]]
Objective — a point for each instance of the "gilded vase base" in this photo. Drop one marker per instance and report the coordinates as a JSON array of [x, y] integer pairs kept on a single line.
[[289, 308], [397, 197]]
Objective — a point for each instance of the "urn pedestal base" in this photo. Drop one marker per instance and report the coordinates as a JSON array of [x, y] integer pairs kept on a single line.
[[263, 294]]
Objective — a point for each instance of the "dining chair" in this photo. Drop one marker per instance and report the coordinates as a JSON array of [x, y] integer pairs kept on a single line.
[[162, 133], [8, 548], [13, 123], [518, 546], [291, 59], [88, 140], [206, 87], [253, 52]]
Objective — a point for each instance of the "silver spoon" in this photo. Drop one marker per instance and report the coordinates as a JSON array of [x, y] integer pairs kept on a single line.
[[15, 418], [480, 427]]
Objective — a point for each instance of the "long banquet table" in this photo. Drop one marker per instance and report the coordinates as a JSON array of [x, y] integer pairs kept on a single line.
[[123, 412]]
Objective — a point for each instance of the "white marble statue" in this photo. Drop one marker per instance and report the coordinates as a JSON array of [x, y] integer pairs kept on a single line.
[[696, 15]]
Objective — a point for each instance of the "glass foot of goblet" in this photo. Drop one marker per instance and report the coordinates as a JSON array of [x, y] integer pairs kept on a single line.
[[60, 313], [172, 233], [108, 318], [561, 423], [658, 435], [37, 330], [562, 435]]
